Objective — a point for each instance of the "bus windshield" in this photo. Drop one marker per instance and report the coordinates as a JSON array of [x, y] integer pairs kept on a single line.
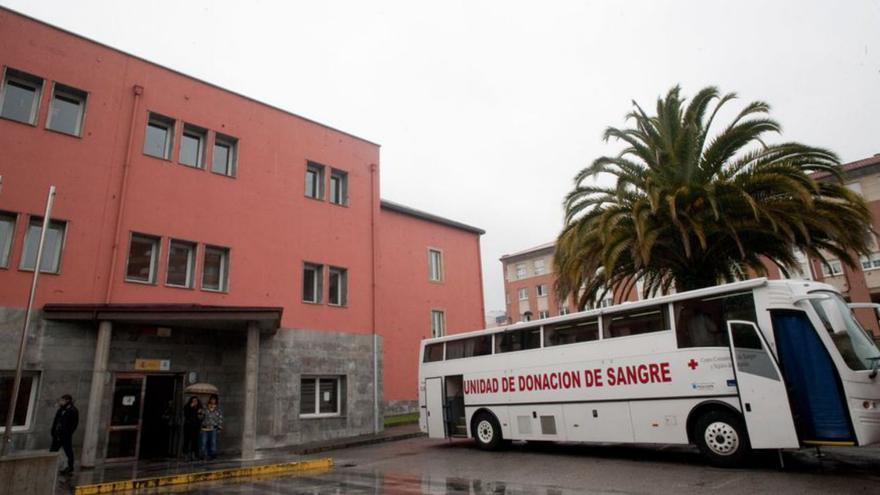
[[854, 344]]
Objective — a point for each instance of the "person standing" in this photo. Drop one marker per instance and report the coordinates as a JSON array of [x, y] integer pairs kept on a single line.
[[212, 424], [192, 424], [65, 423]]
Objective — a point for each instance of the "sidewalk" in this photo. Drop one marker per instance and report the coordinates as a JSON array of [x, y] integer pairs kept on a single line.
[[174, 468]]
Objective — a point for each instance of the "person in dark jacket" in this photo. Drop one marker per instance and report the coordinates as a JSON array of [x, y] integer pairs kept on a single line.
[[192, 424], [65, 423]]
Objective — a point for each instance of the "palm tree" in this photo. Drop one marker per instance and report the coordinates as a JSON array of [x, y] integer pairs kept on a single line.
[[690, 210]]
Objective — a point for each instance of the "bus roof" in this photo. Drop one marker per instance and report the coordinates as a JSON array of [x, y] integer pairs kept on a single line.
[[708, 291]]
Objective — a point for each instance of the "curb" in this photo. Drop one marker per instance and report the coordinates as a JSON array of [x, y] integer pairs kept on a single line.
[[356, 443], [190, 478]]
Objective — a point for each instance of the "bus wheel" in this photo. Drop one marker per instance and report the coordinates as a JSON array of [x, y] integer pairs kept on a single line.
[[487, 431], [722, 439]]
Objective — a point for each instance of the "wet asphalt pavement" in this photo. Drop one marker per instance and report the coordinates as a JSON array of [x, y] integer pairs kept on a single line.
[[440, 467]]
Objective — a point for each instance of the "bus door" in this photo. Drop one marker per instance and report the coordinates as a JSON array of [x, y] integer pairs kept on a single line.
[[434, 399], [762, 393], [813, 381]]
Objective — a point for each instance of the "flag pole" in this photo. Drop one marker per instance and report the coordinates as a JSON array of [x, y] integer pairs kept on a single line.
[[10, 413]]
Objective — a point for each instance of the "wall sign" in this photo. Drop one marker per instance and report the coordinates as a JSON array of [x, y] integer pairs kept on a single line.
[[152, 364]]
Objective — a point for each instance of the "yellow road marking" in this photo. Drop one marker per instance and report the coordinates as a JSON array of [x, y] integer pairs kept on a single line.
[[189, 478]]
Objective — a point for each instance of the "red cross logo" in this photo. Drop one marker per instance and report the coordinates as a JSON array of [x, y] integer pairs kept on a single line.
[[692, 364]]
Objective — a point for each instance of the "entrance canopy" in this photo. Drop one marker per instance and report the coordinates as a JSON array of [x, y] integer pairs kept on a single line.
[[267, 319]]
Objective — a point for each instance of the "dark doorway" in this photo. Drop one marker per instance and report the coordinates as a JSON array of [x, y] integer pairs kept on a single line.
[[161, 428], [455, 419]]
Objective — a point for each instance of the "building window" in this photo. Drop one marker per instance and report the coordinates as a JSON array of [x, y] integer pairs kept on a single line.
[[541, 290], [871, 263], [20, 96], [181, 264], [563, 310], [520, 270], [543, 314], [143, 254], [523, 293], [438, 323], [51, 261], [321, 396], [215, 272], [539, 266], [224, 160], [527, 316], [24, 406], [192, 146], [7, 230], [159, 136], [338, 286], [314, 180], [313, 281], [66, 110], [338, 187], [832, 268], [435, 265]]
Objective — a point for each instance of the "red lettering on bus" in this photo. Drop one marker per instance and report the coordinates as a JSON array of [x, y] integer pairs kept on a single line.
[[655, 372], [664, 372]]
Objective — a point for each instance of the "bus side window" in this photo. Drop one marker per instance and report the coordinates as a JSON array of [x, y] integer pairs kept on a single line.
[[703, 322], [639, 321], [571, 332], [480, 345], [518, 340], [433, 352]]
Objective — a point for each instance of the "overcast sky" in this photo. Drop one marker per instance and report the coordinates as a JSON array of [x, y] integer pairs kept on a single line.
[[486, 110]]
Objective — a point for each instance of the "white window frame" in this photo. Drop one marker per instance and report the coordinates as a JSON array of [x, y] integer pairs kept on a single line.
[[201, 135], [32, 401], [870, 263], [832, 269], [231, 143], [522, 293], [341, 179], [154, 258], [438, 323], [318, 170], [224, 268], [37, 221], [190, 263], [563, 310], [435, 265], [317, 284], [541, 290], [317, 413], [341, 286], [158, 120], [520, 270], [23, 79], [539, 266], [543, 314]]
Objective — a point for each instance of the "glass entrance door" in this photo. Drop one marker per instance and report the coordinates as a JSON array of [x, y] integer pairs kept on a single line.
[[123, 440]]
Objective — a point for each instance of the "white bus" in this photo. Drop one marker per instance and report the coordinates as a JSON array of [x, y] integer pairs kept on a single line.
[[751, 365]]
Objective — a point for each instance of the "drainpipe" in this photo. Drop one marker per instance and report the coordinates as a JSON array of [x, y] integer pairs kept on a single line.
[[373, 169], [126, 166]]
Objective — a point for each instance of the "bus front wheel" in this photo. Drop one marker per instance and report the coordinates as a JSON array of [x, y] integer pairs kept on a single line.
[[487, 431], [722, 439]]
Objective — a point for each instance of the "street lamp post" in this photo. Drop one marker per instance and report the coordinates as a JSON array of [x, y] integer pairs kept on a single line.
[[10, 413]]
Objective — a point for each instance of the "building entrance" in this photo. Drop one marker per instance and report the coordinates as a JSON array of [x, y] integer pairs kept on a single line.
[[144, 420]]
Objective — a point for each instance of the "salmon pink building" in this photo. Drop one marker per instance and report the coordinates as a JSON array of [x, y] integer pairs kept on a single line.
[[201, 240]]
